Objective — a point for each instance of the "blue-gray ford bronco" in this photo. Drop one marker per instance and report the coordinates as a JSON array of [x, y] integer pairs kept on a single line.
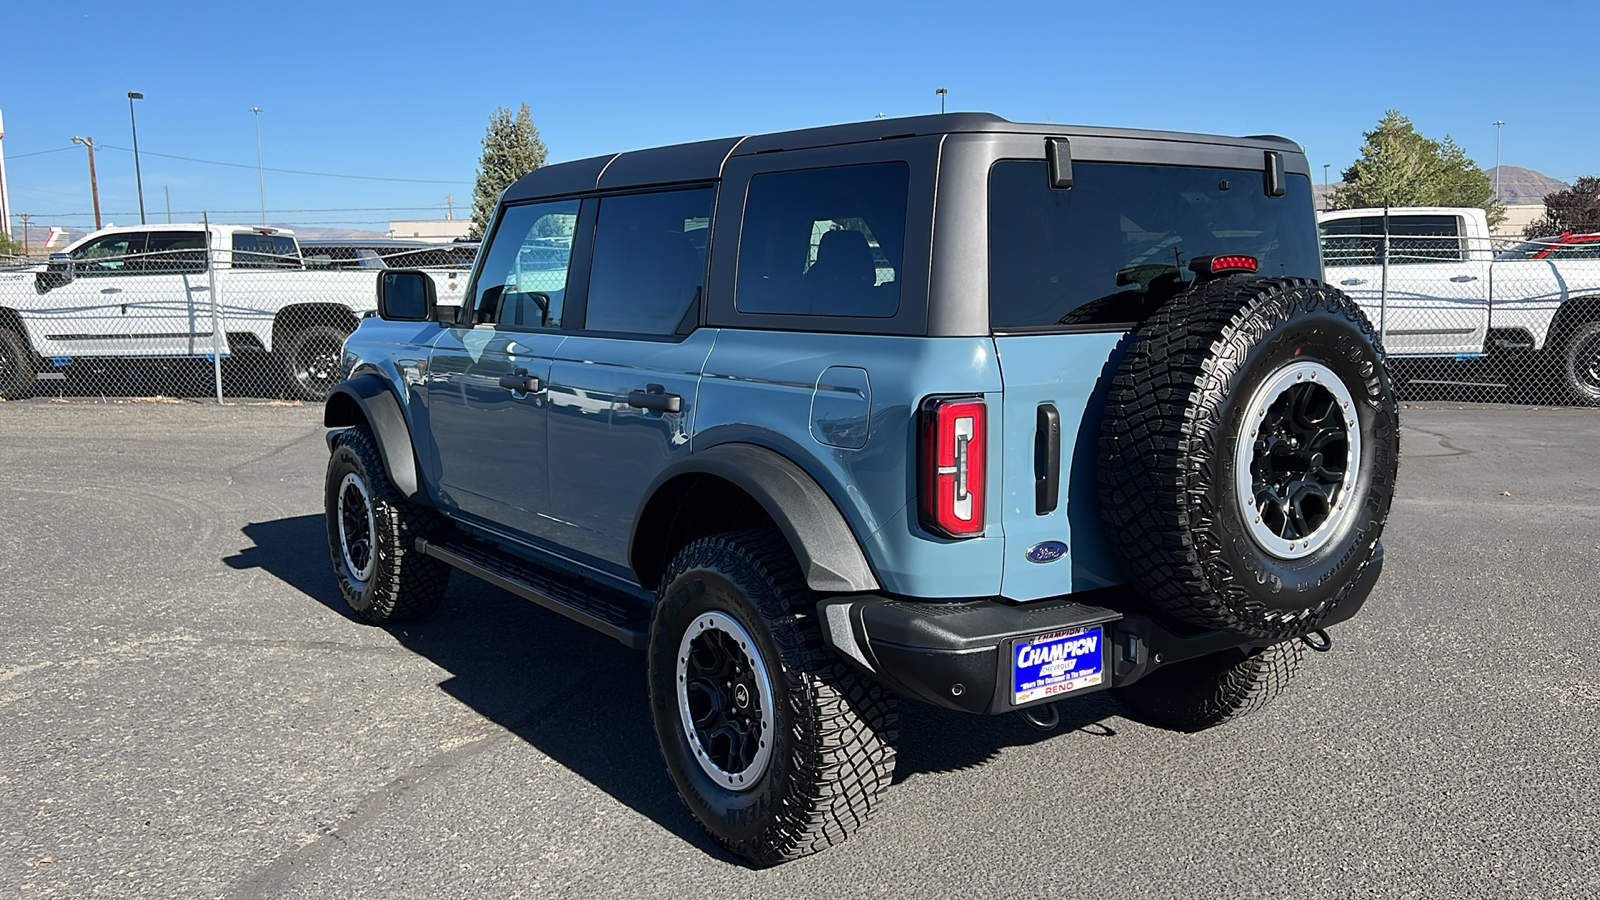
[[982, 414]]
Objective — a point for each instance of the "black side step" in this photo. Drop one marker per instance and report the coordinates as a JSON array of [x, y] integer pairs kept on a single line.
[[606, 611]]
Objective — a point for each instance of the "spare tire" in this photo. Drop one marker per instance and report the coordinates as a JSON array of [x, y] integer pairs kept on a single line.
[[1248, 454]]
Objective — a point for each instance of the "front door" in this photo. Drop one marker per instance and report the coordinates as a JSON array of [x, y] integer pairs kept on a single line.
[[487, 381], [623, 388]]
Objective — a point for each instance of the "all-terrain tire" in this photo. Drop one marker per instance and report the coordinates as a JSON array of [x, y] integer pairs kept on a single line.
[[312, 359], [828, 750], [17, 369], [372, 533], [1175, 439], [1577, 365], [1213, 689]]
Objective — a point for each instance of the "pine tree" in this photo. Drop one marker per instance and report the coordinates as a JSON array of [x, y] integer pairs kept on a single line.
[[511, 149], [1401, 167]]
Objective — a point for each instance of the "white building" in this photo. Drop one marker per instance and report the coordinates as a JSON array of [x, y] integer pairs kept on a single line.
[[441, 230]]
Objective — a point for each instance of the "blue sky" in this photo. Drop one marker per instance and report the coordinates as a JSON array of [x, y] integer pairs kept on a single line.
[[403, 90]]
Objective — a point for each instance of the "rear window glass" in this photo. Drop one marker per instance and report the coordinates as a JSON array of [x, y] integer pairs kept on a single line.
[[1117, 244], [824, 242], [252, 250]]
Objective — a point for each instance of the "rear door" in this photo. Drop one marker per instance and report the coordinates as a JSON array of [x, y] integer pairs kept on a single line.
[[487, 419], [624, 385]]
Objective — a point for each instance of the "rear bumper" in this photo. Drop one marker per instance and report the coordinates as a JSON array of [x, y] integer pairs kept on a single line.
[[958, 654]]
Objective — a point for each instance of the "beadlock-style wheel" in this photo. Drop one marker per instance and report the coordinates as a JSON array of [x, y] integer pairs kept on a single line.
[[355, 527], [1299, 444], [725, 700]]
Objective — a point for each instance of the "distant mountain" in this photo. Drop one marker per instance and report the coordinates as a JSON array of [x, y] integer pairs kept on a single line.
[[1519, 186]]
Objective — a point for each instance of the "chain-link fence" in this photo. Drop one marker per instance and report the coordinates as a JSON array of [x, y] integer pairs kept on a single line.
[[1470, 318], [197, 310]]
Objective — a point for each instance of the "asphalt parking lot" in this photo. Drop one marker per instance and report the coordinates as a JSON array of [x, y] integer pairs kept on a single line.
[[186, 709]]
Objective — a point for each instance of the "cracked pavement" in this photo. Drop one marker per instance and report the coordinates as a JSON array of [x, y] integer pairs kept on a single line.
[[187, 710]]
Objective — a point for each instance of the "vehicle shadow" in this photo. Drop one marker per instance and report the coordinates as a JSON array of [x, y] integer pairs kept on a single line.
[[581, 699]]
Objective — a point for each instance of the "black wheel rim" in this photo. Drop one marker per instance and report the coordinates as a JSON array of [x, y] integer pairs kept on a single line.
[[1296, 459], [1585, 365], [317, 364], [725, 700], [355, 527]]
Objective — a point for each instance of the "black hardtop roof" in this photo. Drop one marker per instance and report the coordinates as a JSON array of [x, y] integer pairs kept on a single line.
[[703, 160]]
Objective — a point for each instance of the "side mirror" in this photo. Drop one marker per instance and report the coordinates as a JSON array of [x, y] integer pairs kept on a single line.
[[406, 295]]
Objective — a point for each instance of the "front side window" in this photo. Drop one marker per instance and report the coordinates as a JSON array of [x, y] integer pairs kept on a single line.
[[824, 242], [523, 281], [649, 269], [1118, 243], [108, 255]]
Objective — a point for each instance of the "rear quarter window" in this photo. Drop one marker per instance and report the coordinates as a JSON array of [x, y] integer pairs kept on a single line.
[[1107, 251]]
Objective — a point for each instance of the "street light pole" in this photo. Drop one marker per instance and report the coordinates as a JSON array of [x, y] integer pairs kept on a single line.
[[942, 92], [137, 177], [1497, 126], [94, 185], [260, 176], [1327, 199]]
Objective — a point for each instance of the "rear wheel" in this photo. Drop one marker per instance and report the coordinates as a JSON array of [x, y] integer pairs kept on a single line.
[[1220, 687], [17, 369], [313, 358], [777, 747], [1578, 365]]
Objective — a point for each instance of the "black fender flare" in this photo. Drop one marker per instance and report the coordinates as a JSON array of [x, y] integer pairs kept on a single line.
[[830, 557], [370, 400]]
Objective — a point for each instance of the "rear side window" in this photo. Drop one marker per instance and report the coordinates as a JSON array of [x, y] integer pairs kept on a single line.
[[523, 280], [1359, 241], [649, 270], [1117, 244], [253, 250], [173, 253], [824, 242]]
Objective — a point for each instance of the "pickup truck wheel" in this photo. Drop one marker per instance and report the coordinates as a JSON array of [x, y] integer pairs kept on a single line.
[[372, 532], [1578, 365], [1248, 454], [313, 358], [1220, 687], [776, 746], [16, 366]]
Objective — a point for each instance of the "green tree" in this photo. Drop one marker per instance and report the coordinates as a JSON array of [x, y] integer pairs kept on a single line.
[[9, 247], [1401, 167], [511, 149], [1576, 209]]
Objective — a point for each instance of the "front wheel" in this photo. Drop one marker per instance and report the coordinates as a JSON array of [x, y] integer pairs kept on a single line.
[[777, 747], [313, 358], [16, 366]]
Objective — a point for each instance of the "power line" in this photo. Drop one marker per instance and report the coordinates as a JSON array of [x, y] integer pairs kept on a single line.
[[41, 152], [213, 162]]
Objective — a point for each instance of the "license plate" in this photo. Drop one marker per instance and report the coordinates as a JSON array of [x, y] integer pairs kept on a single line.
[[1054, 664]]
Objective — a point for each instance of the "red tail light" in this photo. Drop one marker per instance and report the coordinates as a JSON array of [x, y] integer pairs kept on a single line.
[[953, 460], [1223, 265]]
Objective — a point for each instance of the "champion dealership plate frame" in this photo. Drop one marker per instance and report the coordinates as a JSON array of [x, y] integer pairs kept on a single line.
[[1045, 667]]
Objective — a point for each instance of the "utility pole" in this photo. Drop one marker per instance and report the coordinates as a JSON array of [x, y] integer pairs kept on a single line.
[[942, 92], [168, 191], [94, 184], [449, 208], [260, 171], [5, 199], [25, 217], [1497, 126], [138, 179], [1326, 198]]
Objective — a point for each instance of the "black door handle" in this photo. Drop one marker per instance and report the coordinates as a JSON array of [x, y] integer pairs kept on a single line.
[[521, 382], [1047, 460], [655, 399]]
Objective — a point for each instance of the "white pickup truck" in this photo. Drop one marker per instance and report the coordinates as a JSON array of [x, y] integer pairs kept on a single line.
[[1446, 292], [174, 291]]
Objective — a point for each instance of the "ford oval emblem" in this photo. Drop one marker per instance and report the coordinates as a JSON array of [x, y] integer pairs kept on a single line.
[[1047, 552]]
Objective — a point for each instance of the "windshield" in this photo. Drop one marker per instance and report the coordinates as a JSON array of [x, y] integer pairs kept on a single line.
[[1117, 244]]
